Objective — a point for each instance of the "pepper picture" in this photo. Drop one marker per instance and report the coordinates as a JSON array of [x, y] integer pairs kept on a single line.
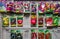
[[5, 21], [20, 20]]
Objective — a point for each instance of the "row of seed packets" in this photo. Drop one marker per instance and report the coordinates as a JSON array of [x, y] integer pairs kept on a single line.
[[28, 7], [18, 20], [12, 20]]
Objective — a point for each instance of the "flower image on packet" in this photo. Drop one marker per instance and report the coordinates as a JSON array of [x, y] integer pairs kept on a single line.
[[21, 6], [47, 9], [10, 6], [26, 5], [57, 8], [41, 7], [33, 7], [2, 6], [52, 6], [18, 6]]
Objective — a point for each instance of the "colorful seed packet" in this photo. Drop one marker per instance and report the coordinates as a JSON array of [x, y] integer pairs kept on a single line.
[[5, 21], [49, 20], [41, 7], [20, 20], [26, 5], [13, 21], [33, 7], [18, 7]]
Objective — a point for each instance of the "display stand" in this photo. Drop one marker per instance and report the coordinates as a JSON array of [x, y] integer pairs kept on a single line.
[[5, 32]]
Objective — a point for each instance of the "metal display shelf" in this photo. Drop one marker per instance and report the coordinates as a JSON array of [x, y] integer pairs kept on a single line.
[[5, 31]]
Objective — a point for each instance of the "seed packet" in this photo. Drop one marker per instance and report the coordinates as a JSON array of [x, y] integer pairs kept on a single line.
[[33, 7], [40, 20], [49, 20], [52, 6], [57, 8], [5, 21], [20, 20], [16, 34], [55, 20], [33, 20], [21, 6], [33, 34], [13, 21], [19, 34], [18, 7], [2, 7], [40, 34], [13, 34], [47, 34], [47, 6], [9, 6], [26, 5], [41, 7]]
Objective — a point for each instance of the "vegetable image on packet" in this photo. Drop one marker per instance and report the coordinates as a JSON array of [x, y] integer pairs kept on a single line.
[[2, 7], [19, 34], [13, 34], [57, 8], [33, 20], [13, 21], [18, 6], [33, 7], [9, 6], [40, 34], [33, 34], [5, 21], [55, 20], [49, 20], [26, 5], [48, 35], [40, 20], [41, 7], [20, 20]]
